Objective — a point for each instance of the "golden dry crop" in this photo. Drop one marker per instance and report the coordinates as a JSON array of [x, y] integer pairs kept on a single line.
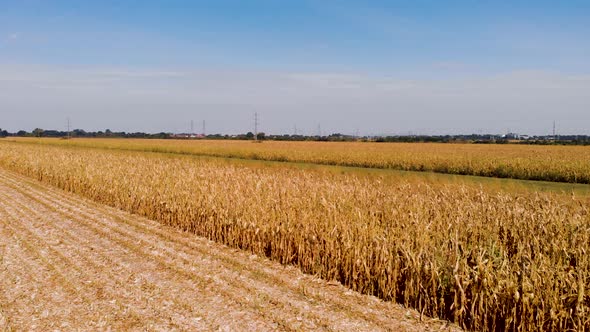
[[548, 163], [488, 260]]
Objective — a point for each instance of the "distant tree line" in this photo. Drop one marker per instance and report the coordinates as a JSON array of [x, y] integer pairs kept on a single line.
[[38, 132], [336, 137]]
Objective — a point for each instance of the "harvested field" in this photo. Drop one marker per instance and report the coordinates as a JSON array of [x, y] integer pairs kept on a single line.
[[69, 263]]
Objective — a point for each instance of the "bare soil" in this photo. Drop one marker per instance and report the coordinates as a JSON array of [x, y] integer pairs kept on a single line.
[[67, 263]]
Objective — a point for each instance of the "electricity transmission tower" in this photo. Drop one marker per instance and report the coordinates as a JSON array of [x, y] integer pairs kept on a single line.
[[255, 126], [554, 132], [68, 126]]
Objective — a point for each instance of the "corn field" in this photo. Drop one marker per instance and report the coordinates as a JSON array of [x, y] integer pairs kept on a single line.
[[488, 260], [527, 162]]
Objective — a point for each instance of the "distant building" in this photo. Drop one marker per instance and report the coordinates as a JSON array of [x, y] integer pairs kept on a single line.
[[511, 136], [188, 136]]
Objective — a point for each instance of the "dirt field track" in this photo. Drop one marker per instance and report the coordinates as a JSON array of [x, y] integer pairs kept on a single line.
[[69, 264]]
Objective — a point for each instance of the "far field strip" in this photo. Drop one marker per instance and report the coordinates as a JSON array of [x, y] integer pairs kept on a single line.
[[567, 164], [69, 263], [512, 184]]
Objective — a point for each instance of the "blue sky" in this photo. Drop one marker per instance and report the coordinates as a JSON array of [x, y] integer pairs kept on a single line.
[[297, 63]]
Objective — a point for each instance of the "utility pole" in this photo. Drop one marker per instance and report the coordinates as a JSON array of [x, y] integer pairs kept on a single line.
[[554, 137], [255, 126], [295, 130], [319, 131], [203, 128], [192, 128]]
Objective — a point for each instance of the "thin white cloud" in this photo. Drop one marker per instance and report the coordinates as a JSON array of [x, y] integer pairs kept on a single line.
[[139, 73], [159, 99]]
